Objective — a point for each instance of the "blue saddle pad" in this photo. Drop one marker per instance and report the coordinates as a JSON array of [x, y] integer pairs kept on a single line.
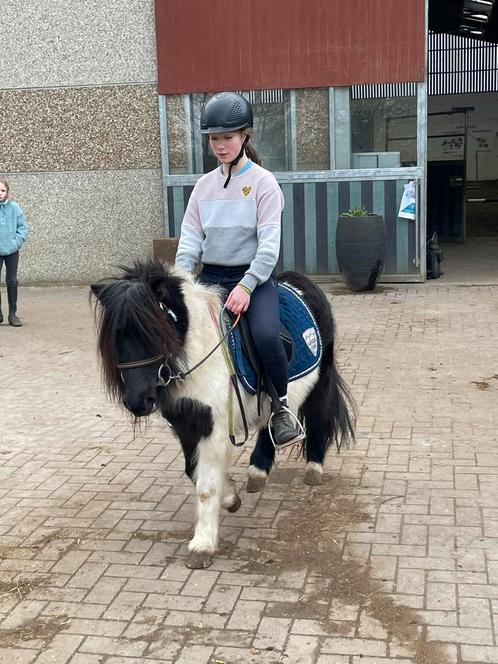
[[296, 317]]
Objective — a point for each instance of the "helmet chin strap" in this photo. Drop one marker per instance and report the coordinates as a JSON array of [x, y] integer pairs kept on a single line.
[[235, 162]]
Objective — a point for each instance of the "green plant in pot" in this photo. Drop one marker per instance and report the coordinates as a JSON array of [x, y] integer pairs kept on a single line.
[[360, 248]]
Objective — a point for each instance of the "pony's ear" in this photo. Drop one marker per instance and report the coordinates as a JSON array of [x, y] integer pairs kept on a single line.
[[166, 287], [97, 289], [158, 279]]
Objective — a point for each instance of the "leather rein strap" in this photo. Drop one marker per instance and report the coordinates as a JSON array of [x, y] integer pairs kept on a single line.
[[181, 375], [233, 385]]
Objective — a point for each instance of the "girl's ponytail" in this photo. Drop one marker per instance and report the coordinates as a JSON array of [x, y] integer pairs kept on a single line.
[[252, 154]]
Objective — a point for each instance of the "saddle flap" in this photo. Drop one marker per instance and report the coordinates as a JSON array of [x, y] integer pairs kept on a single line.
[[299, 333]]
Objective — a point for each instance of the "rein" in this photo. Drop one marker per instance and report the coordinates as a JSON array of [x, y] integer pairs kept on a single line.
[[181, 375], [233, 385]]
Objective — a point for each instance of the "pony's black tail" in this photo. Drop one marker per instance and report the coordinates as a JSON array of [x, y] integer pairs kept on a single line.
[[343, 411]]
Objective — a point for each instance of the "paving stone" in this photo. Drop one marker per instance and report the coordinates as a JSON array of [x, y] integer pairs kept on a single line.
[[272, 633], [94, 517], [246, 615], [18, 655], [481, 654], [60, 649], [195, 655]]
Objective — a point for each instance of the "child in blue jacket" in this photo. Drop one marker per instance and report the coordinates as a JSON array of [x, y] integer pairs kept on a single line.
[[13, 233]]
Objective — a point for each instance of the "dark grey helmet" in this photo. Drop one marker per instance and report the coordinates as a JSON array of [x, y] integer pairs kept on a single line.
[[226, 111]]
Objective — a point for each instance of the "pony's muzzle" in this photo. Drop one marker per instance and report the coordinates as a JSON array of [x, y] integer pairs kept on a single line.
[[140, 407]]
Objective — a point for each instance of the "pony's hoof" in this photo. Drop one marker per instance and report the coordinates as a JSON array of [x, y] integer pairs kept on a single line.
[[255, 484], [199, 560], [313, 475], [256, 480], [235, 506]]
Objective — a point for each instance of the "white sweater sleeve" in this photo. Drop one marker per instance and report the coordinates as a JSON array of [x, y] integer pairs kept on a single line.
[[191, 237]]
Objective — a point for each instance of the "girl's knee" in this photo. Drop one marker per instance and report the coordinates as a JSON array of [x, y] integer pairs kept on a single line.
[[268, 343]]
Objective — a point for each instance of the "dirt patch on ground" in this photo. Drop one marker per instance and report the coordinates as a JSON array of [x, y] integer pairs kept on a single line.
[[29, 550], [42, 629], [164, 535], [19, 588], [485, 383], [311, 536]]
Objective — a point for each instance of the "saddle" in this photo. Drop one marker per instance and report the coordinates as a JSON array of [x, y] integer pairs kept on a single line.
[[300, 336]]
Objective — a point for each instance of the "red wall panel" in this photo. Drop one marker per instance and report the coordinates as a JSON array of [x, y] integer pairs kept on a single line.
[[212, 45]]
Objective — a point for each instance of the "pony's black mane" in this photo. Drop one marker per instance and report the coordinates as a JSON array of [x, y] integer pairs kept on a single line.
[[129, 305]]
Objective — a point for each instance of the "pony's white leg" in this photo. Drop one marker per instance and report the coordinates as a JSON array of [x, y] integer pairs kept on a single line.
[[313, 474], [211, 470]]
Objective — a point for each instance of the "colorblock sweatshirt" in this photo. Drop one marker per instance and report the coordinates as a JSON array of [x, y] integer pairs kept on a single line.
[[239, 225]]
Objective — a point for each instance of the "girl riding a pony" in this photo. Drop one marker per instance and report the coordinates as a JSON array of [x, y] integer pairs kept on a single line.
[[232, 226]]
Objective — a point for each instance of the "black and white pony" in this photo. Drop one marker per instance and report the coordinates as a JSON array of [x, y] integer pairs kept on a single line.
[[155, 322]]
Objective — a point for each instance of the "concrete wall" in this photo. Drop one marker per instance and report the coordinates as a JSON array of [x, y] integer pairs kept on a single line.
[[80, 133]]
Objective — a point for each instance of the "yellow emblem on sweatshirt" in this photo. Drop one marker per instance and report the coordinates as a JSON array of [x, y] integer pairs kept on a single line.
[[246, 190]]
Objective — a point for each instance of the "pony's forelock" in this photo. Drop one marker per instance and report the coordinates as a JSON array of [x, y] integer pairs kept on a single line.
[[130, 305]]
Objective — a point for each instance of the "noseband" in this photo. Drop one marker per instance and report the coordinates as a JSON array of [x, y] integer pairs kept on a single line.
[[140, 363], [152, 360]]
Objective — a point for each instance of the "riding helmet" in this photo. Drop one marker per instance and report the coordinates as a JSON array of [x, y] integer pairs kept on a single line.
[[226, 111]]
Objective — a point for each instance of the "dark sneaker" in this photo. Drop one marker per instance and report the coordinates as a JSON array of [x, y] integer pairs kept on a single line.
[[284, 429]]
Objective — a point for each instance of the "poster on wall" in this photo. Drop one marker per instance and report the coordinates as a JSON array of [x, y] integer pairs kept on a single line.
[[408, 205], [446, 143]]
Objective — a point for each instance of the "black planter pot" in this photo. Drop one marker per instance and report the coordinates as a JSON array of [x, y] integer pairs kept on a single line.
[[361, 250]]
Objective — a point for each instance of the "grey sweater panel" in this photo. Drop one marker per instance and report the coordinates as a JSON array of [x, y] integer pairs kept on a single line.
[[239, 225]]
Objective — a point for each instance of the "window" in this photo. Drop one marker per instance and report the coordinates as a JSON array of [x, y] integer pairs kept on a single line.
[[384, 132], [291, 131]]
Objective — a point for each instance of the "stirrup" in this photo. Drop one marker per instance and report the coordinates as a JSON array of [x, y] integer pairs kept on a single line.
[[301, 434]]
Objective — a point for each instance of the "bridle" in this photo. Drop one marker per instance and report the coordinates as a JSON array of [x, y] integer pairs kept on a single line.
[[180, 376], [164, 366]]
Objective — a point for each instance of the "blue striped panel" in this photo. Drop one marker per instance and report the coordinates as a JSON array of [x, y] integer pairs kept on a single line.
[[288, 228], [322, 238], [352, 194], [355, 195], [170, 209], [391, 228], [179, 208], [310, 220], [332, 218], [378, 197], [402, 260]]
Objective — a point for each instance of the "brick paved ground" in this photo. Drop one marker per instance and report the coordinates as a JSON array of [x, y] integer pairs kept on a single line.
[[394, 559]]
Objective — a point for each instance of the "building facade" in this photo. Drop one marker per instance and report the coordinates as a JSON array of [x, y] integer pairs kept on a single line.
[[80, 134], [100, 106]]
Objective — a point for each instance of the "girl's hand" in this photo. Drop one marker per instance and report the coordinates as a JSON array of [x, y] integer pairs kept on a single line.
[[238, 301]]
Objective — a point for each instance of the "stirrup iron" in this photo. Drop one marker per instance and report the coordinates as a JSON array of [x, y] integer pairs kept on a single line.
[[300, 435]]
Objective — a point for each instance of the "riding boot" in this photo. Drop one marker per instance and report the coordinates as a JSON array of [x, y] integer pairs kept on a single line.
[[1, 314], [12, 298], [284, 428]]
